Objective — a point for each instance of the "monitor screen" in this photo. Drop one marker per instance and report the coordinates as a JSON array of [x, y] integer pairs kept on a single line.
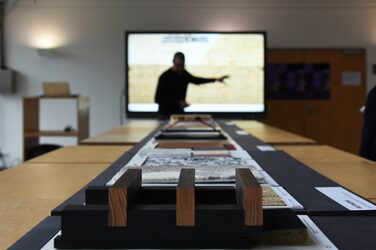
[[208, 55]]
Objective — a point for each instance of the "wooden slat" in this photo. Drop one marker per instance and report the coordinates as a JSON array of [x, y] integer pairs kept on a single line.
[[83, 113], [121, 195], [185, 198], [249, 195], [30, 123]]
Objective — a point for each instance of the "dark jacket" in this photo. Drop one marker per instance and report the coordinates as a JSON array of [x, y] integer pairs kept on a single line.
[[172, 88], [368, 146]]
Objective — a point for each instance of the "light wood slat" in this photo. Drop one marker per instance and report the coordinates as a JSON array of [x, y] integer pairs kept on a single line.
[[249, 195], [121, 196], [185, 198]]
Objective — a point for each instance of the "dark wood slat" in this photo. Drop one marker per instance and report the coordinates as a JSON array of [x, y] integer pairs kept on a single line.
[[249, 195], [185, 198], [121, 195]]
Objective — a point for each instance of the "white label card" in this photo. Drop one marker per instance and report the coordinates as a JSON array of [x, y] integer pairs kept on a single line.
[[346, 199], [351, 78], [265, 148], [316, 234], [241, 132]]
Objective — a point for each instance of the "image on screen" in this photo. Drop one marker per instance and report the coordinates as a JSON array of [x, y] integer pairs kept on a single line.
[[298, 80], [241, 56]]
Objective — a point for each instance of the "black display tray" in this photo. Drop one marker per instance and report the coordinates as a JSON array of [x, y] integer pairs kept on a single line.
[[152, 222]]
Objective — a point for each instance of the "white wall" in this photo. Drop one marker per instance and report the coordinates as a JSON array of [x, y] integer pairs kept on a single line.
[[90, 38]]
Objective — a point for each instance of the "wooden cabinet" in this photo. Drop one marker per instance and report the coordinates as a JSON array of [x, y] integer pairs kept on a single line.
[[336, 121], [31, 119]]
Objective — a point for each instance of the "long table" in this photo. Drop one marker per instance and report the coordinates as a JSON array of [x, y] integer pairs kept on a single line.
[[83, 154], [130, 133], [272, 135], [43, 183], [31, 190]]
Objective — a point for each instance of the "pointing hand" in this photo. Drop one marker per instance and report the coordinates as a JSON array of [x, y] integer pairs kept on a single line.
[[220, 79]]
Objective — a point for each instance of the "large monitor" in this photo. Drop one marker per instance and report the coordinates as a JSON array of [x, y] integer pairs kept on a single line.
[[241, 55]]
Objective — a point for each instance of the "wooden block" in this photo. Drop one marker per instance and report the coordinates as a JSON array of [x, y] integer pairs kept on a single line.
[[30, 124], [249, 195], [83, 117], [185, 198], [122, 195]]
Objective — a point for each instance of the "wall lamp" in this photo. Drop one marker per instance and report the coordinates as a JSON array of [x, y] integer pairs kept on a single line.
[[46, 52], [46, 44]]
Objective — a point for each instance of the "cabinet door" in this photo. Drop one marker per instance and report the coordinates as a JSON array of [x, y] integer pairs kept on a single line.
[[335, 121], [316, 121], [347, 99], [286, 114]]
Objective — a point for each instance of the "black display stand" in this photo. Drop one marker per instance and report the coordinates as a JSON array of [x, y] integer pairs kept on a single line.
[[127, 215]]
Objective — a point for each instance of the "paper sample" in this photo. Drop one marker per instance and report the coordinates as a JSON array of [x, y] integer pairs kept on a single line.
[[211, 153], [165, 152], [271, 198]]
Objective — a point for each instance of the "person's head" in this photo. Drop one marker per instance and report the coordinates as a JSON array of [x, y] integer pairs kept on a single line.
[[179, 62]]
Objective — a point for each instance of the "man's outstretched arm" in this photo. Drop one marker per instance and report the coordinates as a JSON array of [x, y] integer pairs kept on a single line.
[[201, 80]]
